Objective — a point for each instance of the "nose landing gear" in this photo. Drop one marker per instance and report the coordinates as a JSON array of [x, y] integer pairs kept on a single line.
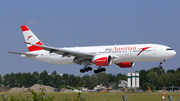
[[160, 63]]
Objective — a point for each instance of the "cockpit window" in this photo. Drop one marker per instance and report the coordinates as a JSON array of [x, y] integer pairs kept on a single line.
[[169, 49]]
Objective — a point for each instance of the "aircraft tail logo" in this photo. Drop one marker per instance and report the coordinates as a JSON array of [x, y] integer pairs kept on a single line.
[[31, 38]]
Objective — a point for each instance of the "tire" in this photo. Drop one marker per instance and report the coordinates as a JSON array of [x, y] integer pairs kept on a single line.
[[160, 67], [103, 69], [100, 70], [82, 70], [90, 68], [96, 71], [86, 69]]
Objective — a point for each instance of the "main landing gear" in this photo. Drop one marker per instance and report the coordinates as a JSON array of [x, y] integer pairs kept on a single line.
[[100, 70], [86, 69], [160, 63]]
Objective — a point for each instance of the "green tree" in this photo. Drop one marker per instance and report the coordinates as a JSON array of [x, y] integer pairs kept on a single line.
[[44, 78], [12, 80], [86, 79], [172, 79], [62, 86], [142, 76], [157, 70], [167, 79], [178, 69], [18, 77], [171, 71], [145, 86], [65, 79], [74, 79], [35, 77], [6, 80], [115, 79], [29, 80], [56, 79], [1, 80], [111, 77], [100, 78], [153, 78], [177, 76], [24, 81]]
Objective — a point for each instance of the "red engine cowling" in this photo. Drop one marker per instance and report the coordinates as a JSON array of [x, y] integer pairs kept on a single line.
[[102, 60], [126, 64]]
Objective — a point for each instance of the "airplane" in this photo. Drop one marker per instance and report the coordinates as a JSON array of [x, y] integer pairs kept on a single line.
[[123, 56], [76, 90]]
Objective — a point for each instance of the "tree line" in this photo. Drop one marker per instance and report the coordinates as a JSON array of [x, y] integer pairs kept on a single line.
[[157, 78], [154, 78]]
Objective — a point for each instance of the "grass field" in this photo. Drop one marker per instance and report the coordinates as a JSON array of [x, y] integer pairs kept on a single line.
[[94, 96]]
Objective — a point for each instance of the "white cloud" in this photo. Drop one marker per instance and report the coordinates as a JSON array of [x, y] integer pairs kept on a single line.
[[32, 22]]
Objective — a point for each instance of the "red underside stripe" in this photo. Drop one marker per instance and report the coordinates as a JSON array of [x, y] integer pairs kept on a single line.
[[35, 48]]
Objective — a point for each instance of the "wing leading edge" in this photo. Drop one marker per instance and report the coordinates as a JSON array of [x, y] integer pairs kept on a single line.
[[65, 52]]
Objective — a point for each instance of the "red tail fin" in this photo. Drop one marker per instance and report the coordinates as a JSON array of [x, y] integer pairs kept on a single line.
[[31, 38]]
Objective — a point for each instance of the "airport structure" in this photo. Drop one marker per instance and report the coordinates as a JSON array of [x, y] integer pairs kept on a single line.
[[137, 79], [129, 80], [134, 78]]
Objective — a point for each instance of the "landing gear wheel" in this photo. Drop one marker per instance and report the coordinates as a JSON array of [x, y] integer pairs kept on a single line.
[[90, 68], [160, 67], [160, 63], [86, 69], [82, 70], [100, 70], [96, 71], [103, 69]]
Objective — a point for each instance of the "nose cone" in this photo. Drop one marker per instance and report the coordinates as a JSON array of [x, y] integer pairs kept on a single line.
[[171, 54]]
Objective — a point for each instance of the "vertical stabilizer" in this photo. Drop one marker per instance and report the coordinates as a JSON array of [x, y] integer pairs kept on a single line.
[[31, 38]]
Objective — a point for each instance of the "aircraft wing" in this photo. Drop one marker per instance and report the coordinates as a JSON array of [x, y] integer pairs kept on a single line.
[[22, 53], [64, 52]]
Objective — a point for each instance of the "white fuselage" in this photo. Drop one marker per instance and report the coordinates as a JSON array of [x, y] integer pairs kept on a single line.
[[119, 53], [122, 55]]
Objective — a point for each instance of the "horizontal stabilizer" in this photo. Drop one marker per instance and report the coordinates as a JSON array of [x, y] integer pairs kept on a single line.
[[22, 53]]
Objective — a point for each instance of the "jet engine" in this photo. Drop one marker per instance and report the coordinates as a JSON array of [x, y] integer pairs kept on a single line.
[[126, 64], [102, 60]]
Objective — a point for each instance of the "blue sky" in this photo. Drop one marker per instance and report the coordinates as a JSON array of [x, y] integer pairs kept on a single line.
[[87, 23]]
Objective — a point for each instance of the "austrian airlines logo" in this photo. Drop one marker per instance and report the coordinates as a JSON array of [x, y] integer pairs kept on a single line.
[[143, 49], [29, 37]]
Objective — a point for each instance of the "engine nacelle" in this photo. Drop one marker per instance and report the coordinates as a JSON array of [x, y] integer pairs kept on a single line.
[[126, 64], [102, 60]]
